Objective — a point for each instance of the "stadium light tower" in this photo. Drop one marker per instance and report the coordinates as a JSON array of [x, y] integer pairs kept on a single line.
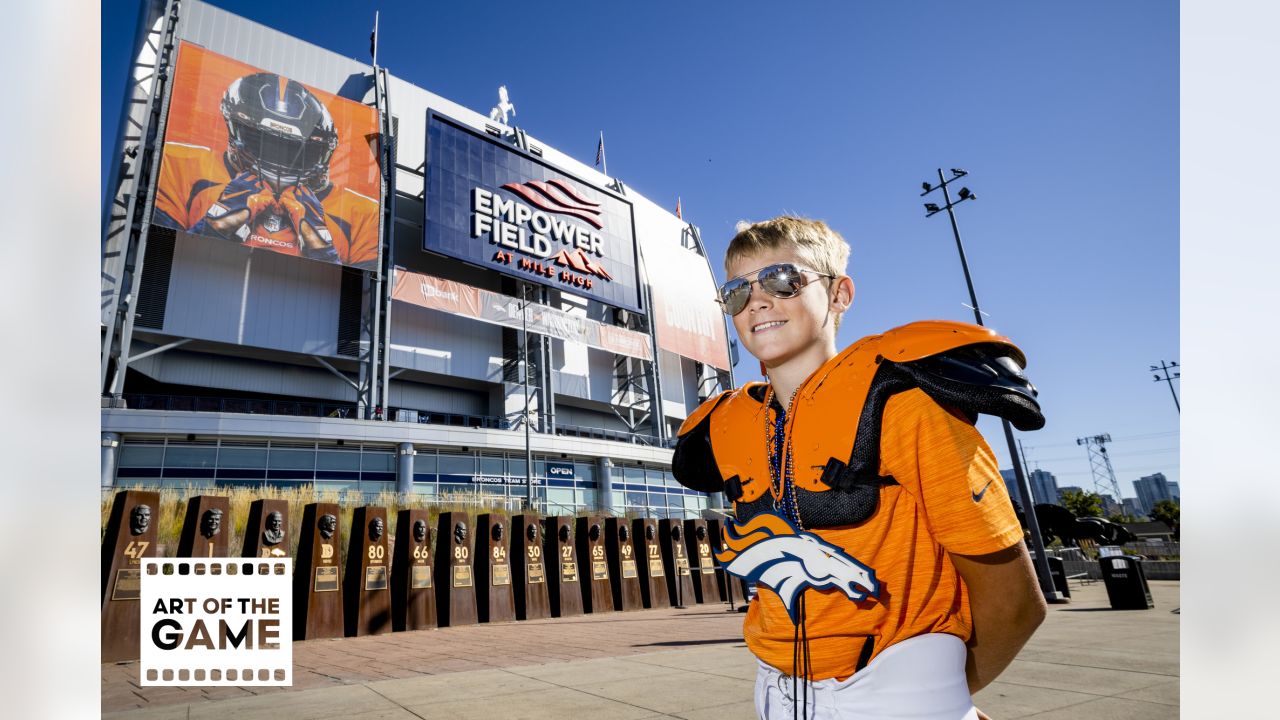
[[1104, 476], [1024, 489], [1176, 374]]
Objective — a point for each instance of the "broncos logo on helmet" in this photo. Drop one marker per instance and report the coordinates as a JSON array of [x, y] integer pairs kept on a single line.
[[770, 551]]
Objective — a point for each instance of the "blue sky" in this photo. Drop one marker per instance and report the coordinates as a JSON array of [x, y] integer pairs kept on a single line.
[[1064, 114]]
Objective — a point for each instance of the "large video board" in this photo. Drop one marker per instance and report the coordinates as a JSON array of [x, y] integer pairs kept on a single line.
[[257, 159], [490, 205]]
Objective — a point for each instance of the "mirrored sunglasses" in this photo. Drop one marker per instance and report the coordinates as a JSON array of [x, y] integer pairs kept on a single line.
[[783, 280]]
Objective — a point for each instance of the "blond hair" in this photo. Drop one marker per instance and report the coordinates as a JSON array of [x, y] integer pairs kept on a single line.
[[817, 245]]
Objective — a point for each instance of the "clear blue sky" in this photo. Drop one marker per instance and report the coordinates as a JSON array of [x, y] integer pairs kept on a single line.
[[1064, 114]]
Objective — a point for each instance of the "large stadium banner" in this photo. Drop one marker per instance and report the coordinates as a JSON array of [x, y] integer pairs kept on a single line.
[[490, 205], [256, 159], [458, 298], [687, 319]]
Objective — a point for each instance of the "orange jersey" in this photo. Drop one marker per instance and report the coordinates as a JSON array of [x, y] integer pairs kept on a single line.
[[192, 178], [941, 464]]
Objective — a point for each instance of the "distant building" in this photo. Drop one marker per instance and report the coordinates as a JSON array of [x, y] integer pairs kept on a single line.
[[1109, 505], [1069, 488], [1044, 487], [1131, 508], [1151, 489], [1175, 492]]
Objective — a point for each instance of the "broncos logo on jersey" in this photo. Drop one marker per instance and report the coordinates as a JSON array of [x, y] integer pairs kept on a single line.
[[770, 551]]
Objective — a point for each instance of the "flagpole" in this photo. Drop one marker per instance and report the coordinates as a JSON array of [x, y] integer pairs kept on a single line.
[[375, 38], [604, 159]]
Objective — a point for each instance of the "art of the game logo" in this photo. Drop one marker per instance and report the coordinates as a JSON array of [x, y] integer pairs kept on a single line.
[[217, 621]]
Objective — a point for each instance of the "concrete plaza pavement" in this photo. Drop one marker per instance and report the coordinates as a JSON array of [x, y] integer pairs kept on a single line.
[[1086, 660]]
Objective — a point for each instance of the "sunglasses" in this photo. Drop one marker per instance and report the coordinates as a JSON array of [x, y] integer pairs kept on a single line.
[[783, 280]]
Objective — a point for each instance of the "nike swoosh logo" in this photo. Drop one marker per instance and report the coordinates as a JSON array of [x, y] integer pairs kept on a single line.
[[977, 497]]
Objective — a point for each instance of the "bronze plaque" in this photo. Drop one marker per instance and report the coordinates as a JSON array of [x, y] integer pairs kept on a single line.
[[421, 577], [500, 574], [327, 578], [128, 584], [536, 573], [569, 571], [655, 565], [375, 577], [461, 576], [599, 570], [629, 568], [682, 563]]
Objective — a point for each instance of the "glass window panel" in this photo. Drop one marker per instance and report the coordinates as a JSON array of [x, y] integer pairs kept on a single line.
[[424, 488], [378, 461], [636, 501], [634, 475], [691, 502], [653, 477], [202, 457], [540, 468], [141, 456], [424, 462], [515, 467], [560, 500], [588, 497], [338, 460], [239, 457], [585, 471], [675, 501], [457, 464], [373, 488], [336, 485], [292, 459], [491, 465], [670, 480]]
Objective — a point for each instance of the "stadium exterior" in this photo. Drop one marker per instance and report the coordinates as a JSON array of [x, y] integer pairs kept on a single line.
[[224, 365]]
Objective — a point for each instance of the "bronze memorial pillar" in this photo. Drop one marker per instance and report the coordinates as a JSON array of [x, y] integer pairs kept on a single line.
[[676, 561], [130, 537], [413, 595], [528, 570], [317, 594], [564, 590], [267, 532], [597, 596], [367, 586], [495, 599], [206, 527], [653, 579], [455, 585], [624, 577], [703, 566]]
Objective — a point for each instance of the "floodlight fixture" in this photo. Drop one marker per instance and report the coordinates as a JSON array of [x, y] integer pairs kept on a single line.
[[957, 172], [927, 187], [932, 207], [965, 194]]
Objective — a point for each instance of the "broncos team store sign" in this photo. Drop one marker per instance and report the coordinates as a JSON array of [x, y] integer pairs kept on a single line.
[[490, 205]]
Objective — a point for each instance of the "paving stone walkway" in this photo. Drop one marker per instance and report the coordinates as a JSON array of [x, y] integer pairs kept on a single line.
[[1085, 661]]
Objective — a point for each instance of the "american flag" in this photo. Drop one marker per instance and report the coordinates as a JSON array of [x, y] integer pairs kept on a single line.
[[600, 150], [678, 208]]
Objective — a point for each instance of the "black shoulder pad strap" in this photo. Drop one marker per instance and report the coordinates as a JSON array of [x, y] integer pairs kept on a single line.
[[979, 379], [694, 463]]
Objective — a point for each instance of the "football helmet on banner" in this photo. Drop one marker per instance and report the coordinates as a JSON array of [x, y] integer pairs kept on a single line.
[[279, 130]]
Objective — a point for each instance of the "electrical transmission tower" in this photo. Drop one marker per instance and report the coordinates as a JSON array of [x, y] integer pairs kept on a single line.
[[1104, 477]]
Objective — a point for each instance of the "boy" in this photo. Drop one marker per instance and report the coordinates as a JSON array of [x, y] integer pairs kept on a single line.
[[892, 575]]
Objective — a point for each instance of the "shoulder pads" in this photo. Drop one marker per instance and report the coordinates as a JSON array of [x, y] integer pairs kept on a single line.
[[970, 368], [694, 464]]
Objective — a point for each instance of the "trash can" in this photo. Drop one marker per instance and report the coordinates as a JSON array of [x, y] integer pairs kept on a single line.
[[1057, 571], [1126, 583]]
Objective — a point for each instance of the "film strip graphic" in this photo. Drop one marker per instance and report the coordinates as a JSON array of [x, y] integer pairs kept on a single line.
[[216, 621]]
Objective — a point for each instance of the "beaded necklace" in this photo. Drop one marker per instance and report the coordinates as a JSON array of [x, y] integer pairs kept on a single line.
[[781, 470]]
